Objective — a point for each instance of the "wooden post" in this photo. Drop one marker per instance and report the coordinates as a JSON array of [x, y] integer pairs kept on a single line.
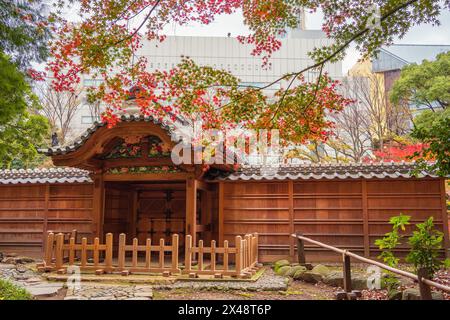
[[71, 251], [191, 208], [200, 255], [365, 219], [221, 212], [213, 255], [109, 252], [225, 255], [445, 219], [96, 251], [49, 249], [291, 218], [238, 260], [256, 247], [45, 222], [121, 253], [161, 253], [134, 256], [134, 214], [175, 244], [83, 251], [300, 250], [188, 254], [425, 291], [148, 253], [347, 273], [98, 205], [59, 251]]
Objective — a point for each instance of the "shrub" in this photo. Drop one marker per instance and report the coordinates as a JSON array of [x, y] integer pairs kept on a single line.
[[9, 291], [426, 242]]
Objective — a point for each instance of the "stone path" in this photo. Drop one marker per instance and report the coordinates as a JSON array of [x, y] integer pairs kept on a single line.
[[109, 292], [40, 288], [24, 277]]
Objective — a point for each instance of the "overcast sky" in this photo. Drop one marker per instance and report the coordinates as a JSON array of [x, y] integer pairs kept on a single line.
[[422, 34]]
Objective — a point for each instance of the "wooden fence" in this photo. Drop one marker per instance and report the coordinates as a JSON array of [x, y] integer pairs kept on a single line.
[[424, 282], [60, 253], [245, 254]]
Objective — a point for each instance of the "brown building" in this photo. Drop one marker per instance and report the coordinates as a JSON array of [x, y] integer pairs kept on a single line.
[[122, 180]]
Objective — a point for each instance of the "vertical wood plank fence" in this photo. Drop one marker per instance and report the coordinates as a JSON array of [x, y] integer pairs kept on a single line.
[[151, 257]]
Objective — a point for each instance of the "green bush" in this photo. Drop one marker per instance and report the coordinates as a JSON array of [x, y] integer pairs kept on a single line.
[[9, 291]]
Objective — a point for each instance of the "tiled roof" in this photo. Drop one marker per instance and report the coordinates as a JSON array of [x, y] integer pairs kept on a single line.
[[90, 131], [246, 172], [52, 175], [325, 171]]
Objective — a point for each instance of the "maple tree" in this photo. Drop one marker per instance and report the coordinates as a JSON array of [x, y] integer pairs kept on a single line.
[[103, 45]]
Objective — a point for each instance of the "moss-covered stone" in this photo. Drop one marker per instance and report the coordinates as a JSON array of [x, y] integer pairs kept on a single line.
[[321, 269], [280, 263], [282, 271], [310, 277], [298, 274], [295, 269]]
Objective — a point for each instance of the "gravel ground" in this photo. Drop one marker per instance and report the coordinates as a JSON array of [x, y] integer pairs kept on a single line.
[[268, 281]]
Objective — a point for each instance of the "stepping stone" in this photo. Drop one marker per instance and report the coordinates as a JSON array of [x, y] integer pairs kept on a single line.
[[138, 298], [73, 298], [4, 266], [104, 298], [44, 290], [148, 294]]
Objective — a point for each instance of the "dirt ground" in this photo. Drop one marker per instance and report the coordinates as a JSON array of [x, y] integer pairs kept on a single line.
[[296, 291]]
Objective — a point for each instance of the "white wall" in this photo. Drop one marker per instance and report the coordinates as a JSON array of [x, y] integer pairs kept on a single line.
[[228, 54]]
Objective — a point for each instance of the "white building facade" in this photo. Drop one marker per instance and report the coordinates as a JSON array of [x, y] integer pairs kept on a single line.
[[229, 54]]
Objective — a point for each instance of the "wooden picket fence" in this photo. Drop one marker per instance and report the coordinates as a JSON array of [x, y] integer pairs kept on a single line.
[[61, 253], [245, 255]]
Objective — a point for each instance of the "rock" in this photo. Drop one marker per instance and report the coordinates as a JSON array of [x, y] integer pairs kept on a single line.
[[414, 294], [44, 290], [9, 260], [298, 274], [294, 270], [359, 282], [4, 266], [138, 298], [10, 254], [321, 269], [148, 294], [310, 276], [73, 298], [282, 271], [21, 268], [394, 294], [280, 263], [23, 260], [334, 279]]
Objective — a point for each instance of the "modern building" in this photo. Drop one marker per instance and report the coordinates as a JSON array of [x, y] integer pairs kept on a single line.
[[228, 54]]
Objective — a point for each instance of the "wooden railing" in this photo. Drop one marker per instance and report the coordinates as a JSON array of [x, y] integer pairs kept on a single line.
[[245, 254], [98, 256], [425, 284]]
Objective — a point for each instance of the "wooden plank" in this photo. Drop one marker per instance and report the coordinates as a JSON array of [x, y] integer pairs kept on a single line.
[[121, 251], [445, 219], [97, 205], [191, 208], [175, 244], [365, 213], [134, 255], [45, 222], [161, 253], [221, 211], [188, 254], [291, 218], [109, 252]]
